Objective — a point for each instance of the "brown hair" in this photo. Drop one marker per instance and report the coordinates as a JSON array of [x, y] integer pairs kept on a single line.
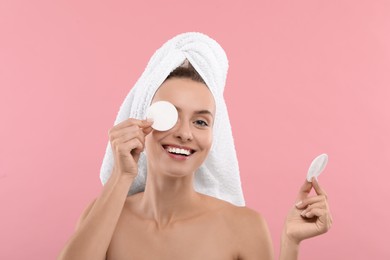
[[186, 71]]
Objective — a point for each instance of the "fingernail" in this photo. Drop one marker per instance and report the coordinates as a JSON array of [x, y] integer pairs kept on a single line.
[[308, 214], [149, 120], [298, 203], [303, 213]]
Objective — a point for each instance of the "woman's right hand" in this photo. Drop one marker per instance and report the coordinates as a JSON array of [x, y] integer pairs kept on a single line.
[[127, 142]]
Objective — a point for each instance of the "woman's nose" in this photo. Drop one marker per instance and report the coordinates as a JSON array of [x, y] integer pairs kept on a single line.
[[183, 131]]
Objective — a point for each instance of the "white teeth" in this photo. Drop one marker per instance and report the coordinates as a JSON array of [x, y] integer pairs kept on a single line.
[[178, 151]]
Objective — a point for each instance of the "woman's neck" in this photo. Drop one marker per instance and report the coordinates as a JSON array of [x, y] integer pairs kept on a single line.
[[167, 199]]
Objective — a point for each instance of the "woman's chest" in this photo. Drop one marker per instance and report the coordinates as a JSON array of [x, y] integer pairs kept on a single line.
[[190, 240]]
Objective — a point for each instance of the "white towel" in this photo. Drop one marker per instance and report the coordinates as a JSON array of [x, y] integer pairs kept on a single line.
[[219, 175]]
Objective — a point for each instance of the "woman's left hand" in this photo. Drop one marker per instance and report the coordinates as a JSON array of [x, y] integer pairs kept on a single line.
[[310, 216]]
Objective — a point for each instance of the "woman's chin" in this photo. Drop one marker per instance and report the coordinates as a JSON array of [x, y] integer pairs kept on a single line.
[[178, 174]]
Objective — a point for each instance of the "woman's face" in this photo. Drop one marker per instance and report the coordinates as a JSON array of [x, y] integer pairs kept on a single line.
[[192, 132]]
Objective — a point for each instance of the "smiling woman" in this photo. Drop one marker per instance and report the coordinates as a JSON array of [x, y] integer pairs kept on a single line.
[[169, 218], [193, 131]]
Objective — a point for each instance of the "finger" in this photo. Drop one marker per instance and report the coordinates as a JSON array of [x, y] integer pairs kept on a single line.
[[132, 121], [147, 130], [147, 127], [310, 200], [315, 212], [147, 122], [136, 151], [138, 134], [117, 133], [304, 191], [125, 135], [317, 205], [317, 188], [129, 146], [324, 221]]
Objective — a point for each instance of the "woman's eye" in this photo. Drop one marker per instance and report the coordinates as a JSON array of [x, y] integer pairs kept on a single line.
[[201, 123]]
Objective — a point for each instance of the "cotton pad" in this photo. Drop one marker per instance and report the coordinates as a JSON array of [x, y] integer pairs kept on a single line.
[[164, 115], [317, 166]]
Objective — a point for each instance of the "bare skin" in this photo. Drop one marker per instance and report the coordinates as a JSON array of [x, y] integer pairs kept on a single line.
[[215, 230], [170, 220]]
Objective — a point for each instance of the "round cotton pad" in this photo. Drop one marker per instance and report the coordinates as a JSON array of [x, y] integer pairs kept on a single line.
[[317, 166], [164, 115]]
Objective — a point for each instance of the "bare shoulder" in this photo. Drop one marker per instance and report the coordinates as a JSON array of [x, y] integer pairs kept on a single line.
[[252, 233], [243, 218], [243, 214], [247, 219]]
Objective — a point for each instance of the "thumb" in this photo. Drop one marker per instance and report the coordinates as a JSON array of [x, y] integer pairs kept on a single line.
[[146, 126], [304, 191]]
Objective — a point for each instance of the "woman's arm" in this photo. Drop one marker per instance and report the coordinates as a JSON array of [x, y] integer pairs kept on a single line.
[[308, 218], [288, 249], [97, 225], [94, 232]]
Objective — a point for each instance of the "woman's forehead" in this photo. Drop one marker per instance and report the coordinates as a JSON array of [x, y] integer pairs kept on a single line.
[[186, 93]]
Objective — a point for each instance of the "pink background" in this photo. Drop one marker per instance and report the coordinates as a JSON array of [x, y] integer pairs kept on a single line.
[[306, 77]]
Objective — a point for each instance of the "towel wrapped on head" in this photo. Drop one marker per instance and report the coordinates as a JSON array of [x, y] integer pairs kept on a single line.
[[219, 175]]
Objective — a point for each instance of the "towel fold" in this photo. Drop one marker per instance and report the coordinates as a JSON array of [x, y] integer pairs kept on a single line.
[[219, 175]]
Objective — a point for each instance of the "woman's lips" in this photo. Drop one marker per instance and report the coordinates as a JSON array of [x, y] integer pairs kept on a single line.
[[177, 156], [180, 157]]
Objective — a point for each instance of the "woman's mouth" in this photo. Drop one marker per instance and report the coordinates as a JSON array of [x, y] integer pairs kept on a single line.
[[178, 152]]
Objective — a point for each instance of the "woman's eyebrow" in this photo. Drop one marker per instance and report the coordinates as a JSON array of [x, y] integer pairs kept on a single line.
[[207, 112], [203, 111]]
